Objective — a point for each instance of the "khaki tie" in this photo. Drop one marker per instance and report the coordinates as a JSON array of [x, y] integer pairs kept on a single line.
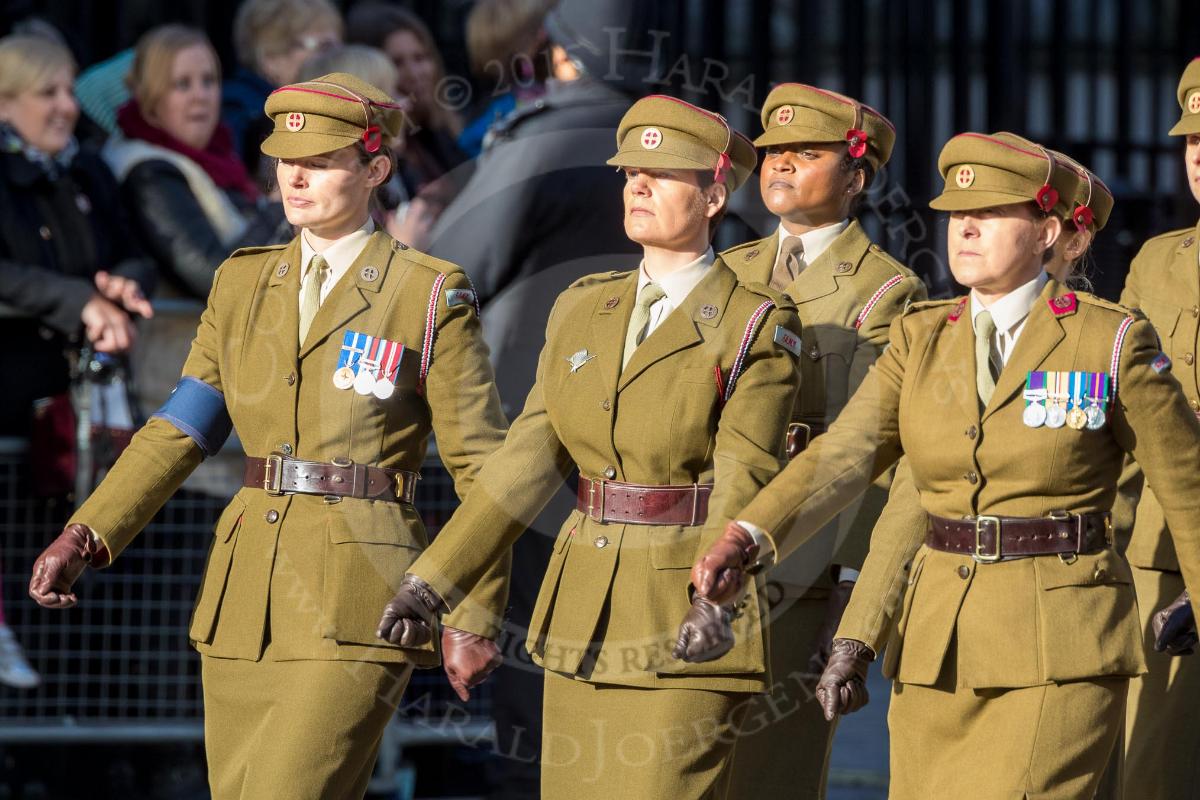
[[310, 297], [789, 263], [650, 294], [985, 369]]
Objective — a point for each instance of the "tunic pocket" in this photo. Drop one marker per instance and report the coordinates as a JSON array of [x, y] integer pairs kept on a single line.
[[216, 573]]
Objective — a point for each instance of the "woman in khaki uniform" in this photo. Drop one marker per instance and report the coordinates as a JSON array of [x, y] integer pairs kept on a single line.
[[1162, 741], [335, 357], [821, 152], [1017, 632], [670, 389]]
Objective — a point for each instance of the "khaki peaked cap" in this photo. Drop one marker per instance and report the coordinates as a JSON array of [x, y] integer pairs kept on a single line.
[[660, 132], [329, 113], [1188, 95], [795, 113], [983, 170]]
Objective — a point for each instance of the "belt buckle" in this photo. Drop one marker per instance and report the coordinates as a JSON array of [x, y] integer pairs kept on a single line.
[[794, 440], [1063, 515], [979, 555], [404, 488], [591, 507], [273, 474]]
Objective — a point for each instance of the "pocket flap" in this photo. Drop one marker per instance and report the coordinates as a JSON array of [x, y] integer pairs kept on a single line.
[[1095, 569]]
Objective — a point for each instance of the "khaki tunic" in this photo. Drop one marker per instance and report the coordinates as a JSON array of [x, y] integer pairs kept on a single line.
[[846, 298], [293, 577], [1160, 735], [1022, 623], [614, 595]]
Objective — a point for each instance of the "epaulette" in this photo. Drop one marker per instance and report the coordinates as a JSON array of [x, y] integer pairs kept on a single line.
[[597, 278], [1175, 234], [506, 124], [921, 305], [756, 245], [781, 300], [1099, 302], [250, 251], [424, 259]]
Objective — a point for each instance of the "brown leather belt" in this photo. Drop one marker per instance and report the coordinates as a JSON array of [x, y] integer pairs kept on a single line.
[[636, 504], [800, 436], [277, 474], [988, 539]]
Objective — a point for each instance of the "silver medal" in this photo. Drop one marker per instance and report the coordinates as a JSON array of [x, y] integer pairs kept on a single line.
[[1056, 416], [1095, 418], [364, 383], [1035, 415], [343, 378], [383, 388]]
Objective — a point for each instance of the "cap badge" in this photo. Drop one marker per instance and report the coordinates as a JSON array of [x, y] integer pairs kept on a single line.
[[295, 121], [1046, 198], [964, 177], [1193, 102], [1082, 217], [785, 115], [651, 138], [858, 142]]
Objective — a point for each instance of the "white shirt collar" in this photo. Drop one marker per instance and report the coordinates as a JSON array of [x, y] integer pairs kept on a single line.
[[816, 241], [678, 284], [1010, 310], [342, 253]]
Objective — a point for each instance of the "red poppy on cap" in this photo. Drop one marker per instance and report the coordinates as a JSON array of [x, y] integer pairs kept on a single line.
[[372, 138], [858, 142], [723, 165], [1083, 217], [1047, 198]]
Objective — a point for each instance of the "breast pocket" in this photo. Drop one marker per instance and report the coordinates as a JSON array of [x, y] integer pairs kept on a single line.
[[694, 418], [369, 547], [825, 369]]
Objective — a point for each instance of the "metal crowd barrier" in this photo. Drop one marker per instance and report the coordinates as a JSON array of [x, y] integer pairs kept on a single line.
[[118, 667]]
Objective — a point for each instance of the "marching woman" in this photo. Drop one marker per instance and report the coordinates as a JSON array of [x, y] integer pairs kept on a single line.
[[335, 357], [670, 389], [1017, 633]]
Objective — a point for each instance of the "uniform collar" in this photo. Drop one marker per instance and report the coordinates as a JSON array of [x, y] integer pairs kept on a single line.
[[678, 284], [1015, 306], [816, 241], [342, 253]]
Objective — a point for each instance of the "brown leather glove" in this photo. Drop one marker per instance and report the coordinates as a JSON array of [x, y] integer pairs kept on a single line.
[[1175, 627], [468, 659], [706, 632], [408, 619], [835, 606], [843, 685], [61, 564], [721, 572]]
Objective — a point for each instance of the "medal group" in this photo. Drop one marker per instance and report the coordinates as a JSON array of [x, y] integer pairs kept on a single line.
[[368, 364], [1075, 399]]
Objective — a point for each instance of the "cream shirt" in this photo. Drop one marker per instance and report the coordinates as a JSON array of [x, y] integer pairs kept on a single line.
[[339, 255], [815, 241], [1009, 313], [677, 285]]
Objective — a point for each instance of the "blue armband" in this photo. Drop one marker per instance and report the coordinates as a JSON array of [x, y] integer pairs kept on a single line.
[[198, 410]]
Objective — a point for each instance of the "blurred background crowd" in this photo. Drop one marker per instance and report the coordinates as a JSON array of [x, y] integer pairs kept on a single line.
[[130, 168]]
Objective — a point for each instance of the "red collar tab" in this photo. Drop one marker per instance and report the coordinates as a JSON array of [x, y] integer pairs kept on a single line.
[[958, 310], [1063, 305]]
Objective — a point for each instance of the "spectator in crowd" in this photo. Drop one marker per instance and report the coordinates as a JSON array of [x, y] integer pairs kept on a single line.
[[191, 198], [431, 151], [68, 266], [507, 46], [272, 39]]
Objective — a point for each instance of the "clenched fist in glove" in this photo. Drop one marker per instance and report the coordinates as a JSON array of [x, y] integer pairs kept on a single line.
[[721, 572], [468, 659], [1175, 627], [706, 632], [61, 564], [408, 619], [843, 685]]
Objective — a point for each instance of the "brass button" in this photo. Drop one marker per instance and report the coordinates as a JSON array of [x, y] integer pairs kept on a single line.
[[606, 405], [750, 256], [1188, 241], [1196, 311], [972, 432], [1101, 574], [612, 302], [1188, 358], [291, 379], [843, 267], [971, 477], [285, 448], [964, 572], [282, 270], [601, 542], [271, 516], [610, 473]]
